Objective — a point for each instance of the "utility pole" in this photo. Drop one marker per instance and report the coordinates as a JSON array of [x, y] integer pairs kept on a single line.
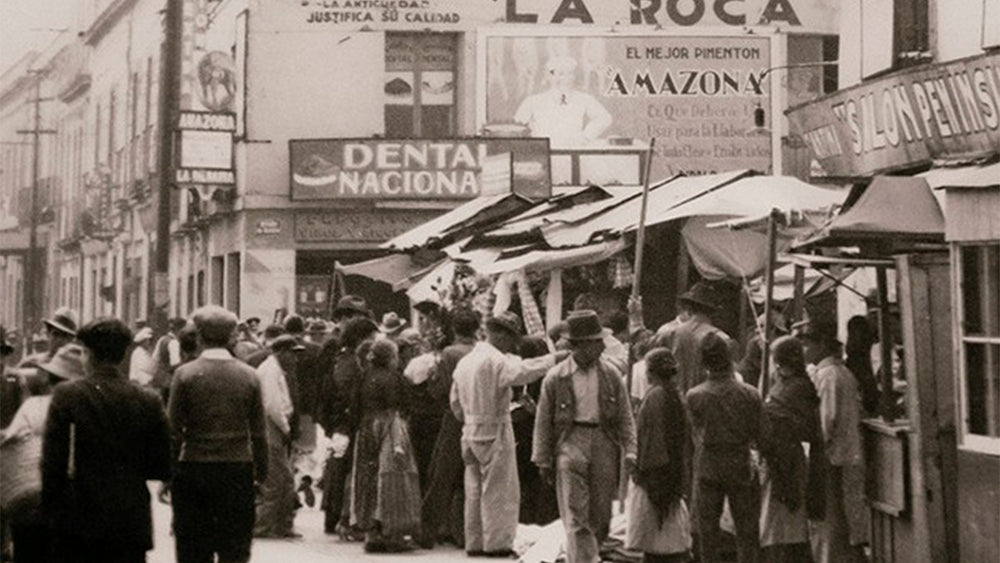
[[170, 73], [33, 278]]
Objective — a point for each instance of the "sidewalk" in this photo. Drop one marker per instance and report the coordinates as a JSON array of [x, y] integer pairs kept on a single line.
[[313, 547]]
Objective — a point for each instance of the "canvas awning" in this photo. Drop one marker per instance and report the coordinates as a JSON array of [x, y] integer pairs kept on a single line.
[[897, 209], [557, 258], [973, 176]]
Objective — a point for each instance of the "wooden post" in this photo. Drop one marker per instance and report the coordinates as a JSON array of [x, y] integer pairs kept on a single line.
[[772, 242], [885, 342], [640, 242], [798, 299]]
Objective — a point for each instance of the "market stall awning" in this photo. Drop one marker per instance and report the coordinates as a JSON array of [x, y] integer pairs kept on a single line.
[[475, 213], [896, 209], [559, 258], [391, 269], [972, 176], [663, 197]]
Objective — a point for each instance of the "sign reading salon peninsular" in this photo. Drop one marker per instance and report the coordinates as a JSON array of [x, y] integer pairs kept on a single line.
[[909, 118], [414, 169]]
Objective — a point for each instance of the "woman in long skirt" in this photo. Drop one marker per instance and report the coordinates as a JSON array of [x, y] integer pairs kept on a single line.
[[659, 524], [791, 484], [385, 496]]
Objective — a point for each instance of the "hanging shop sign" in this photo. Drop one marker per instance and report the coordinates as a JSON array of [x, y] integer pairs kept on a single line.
[[205, 148], [356, 225], [696, 95], [806, 16], [411, 169], [940, 111]]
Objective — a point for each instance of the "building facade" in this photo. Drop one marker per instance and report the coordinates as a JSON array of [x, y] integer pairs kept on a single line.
[[924, 98], [307, 133]]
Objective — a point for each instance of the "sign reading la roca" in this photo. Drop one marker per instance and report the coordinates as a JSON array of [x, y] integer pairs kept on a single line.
[[815, 16]]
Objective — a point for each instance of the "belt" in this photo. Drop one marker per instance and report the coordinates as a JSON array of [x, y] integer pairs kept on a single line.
[[586, 424]]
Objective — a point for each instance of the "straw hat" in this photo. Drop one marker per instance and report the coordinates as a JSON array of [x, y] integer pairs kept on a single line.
[[67, 363]]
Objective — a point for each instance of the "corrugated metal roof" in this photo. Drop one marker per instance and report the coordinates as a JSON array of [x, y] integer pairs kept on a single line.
[[443, 225]]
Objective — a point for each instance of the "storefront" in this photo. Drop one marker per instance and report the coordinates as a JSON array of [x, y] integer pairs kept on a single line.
[[942, 117]]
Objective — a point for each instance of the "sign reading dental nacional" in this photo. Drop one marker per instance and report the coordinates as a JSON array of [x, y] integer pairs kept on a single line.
[[695, 94], [802, 16], [912, 117], [413, 169]]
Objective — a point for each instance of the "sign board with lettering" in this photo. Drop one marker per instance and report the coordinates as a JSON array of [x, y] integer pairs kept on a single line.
[[356, 225], [206, 149], [696, 95], [206, 121], [801, 16], [905, 119], [411, 168]]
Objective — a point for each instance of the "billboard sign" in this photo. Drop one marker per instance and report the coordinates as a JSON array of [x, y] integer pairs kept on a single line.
[[909, 118], [697, 95], [802, 16], [411, 168]]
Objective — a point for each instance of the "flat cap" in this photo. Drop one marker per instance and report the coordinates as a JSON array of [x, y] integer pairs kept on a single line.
[[214, 322]]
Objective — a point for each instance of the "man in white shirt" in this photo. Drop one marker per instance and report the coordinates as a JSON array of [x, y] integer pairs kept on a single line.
[[481, 399], [839, 536], [276, 503], [140, 366], [568, 117]]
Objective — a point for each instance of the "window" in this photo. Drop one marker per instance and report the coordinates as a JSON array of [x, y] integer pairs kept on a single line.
[[906, 44], [420, 84], [979, 354]]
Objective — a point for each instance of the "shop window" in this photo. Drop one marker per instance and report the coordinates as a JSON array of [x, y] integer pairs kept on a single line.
[[979, 326], [420, 81]]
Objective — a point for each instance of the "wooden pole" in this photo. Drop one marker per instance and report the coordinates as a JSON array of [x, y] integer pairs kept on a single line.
[[640, 237], [772, 241], [885, 342], [799, 300]]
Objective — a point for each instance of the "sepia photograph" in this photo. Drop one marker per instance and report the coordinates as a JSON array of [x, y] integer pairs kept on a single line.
[[545, 281]]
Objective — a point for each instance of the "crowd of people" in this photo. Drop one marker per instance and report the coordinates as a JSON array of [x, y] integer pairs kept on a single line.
[[456, 430]]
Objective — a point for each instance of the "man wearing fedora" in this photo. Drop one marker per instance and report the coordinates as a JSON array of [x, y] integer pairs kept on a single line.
[[838, 537], [583, 429], [480, 398]]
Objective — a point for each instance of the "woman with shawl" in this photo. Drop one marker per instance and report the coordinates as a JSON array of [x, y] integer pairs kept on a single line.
[[659, 523], [385, 499], [791, 478]]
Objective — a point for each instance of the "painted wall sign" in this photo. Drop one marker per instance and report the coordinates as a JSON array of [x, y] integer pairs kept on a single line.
[[268, 227], [807, 16], [409, 169], [356, 225], [696, 95], [905, 119]]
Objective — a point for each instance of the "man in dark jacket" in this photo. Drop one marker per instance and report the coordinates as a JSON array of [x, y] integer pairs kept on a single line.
[[104, 438], [220, 446], [725, 418]]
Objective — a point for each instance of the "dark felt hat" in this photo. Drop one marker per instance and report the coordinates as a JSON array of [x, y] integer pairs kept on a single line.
[[823, 331], [701, 294], [63, 320], [349, 304], [5, 348], [507, 321], [286, 342], [584, 325]]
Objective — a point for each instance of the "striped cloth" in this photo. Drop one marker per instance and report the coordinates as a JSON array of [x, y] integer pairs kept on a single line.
[[533, 323]]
